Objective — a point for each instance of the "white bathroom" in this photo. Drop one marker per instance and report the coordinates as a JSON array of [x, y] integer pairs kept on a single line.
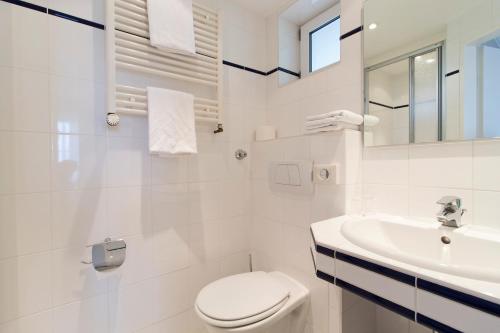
[[258, 166]]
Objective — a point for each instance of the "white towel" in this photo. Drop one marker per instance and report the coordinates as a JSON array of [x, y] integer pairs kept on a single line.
[[171, 25], [371, 120], [171, 122], [339, 126], [340, 115]]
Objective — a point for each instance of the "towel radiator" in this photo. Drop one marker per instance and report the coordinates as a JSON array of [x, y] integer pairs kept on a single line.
[[133, 64]]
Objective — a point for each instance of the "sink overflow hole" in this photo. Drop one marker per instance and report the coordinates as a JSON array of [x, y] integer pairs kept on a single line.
[[445, 240]]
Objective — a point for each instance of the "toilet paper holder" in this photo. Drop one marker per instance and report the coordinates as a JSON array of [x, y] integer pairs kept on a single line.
[[107, 255]]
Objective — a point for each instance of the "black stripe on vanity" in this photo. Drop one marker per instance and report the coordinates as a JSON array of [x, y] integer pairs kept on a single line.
[[352, 32], [410, 314], [388, 272], [435, 325], [460, 297], [49, 11], [452, 73], [326, 251], [326, 277]]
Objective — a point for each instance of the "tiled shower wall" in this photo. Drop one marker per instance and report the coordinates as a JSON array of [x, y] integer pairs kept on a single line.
[[66, 180]]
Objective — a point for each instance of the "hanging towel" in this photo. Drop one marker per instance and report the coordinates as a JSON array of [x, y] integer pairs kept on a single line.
[[340, 115], [171, 25], [171, 122]]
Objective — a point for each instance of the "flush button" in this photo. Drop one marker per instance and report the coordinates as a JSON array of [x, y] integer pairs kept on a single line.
[[294, 173], [281, 176]]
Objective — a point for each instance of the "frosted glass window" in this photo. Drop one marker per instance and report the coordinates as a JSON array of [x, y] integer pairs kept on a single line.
[[324, 45]]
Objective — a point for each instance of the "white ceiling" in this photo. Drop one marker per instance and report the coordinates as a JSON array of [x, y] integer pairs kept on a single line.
[[402, 23], [301, 11], [264, 7]]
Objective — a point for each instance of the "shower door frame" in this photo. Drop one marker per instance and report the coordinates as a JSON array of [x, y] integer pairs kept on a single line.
[[439, 48]]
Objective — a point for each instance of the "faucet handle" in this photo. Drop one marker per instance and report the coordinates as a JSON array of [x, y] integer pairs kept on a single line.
[[450, 200]]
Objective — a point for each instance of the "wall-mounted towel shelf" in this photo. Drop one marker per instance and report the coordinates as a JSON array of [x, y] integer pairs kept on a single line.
[[130, 51]]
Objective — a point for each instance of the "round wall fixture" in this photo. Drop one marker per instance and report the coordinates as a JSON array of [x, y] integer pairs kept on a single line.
[[240, 154]]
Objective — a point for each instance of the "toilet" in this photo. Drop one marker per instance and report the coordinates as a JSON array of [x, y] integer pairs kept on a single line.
[[255, 302]]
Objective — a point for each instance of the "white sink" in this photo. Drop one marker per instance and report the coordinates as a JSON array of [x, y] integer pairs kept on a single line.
[[472, 253]]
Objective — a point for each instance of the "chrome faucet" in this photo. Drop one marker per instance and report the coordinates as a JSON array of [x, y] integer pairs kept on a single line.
[[451, 211]]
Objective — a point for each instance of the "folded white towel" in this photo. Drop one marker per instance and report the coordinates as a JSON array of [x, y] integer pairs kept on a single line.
[[338, 126], [171, 25], [371, 120], [171, 122], [323, 122], [340, 115]]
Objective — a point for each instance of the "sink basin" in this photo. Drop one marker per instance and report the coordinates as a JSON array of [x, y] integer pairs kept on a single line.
[[472, 251]]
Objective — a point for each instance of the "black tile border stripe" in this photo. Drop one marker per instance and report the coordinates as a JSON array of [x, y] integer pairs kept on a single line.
[[325, 277], [27, 5], [56, 13], [76, 19], [284, 70], [452, 73], [352, 32], [405, 312], [256, 71], [387, 272], [326, 251], [435, 325], [460, 297], [388, 106]]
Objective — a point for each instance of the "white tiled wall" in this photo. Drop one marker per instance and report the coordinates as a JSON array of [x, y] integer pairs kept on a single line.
[[280, 231], [66, 180], [408, 180]]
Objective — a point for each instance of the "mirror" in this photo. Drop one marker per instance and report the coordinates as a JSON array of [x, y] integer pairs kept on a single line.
[[308, 38], [432, 71]]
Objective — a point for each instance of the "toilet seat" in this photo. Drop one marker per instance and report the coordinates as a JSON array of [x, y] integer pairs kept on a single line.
[[241, 299]]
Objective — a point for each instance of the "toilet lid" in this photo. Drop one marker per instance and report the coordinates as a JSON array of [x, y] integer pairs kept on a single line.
[[241, 296]]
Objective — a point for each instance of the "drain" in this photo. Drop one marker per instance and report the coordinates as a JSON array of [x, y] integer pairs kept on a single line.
[[445, 240]]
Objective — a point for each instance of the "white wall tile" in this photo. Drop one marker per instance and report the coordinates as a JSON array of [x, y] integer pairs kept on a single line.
[[25, 284], [73, 280], [170, 249], [78, 162], [128, 211], [26, 39], [204, 201], [25, 166], [131, 308], [169, 170], [389, 199], [171, 295], [24, 224], [72, 43], [79, 218], [89, 315], [78, 106], [128, 162], [40, 322], [441, 165], [386, 165], [486, 165], [484, 211], [25, 105]]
